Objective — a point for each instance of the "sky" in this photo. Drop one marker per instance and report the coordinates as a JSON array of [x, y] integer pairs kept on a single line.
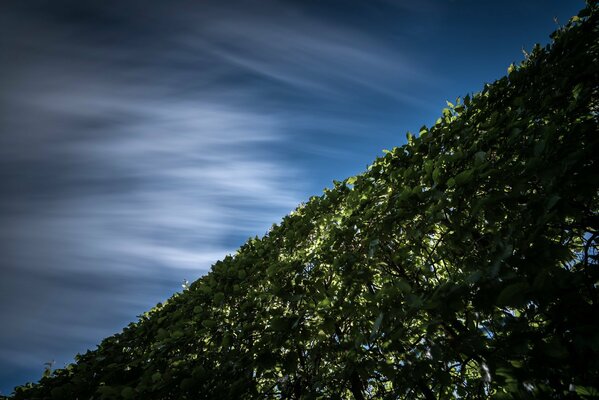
[[141, 141]]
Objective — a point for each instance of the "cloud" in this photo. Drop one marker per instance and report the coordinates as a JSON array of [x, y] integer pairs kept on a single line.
[[138, 148], [308, 54], [128, 193]]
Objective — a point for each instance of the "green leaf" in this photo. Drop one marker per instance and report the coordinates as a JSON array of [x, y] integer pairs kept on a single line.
[[414, 301], [279, 324], [322, 335], [219, 298], [324, 303], [576, 91], [226, 342], [56, 393], [539, 147], [187, 384], [403, 285], [590, 391], [209, 323], [474, 277], [272, 271], [376, 326], [479, 157], [552, 201], [372, 247], [296, 323], [428, 166], [128, 393], [436, 175], [555, 349], [506, 252], [463, 177], [107, 391], [512, 294], [177, 334]]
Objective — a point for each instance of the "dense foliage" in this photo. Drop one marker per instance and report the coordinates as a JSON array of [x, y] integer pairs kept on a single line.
[[461, 265]]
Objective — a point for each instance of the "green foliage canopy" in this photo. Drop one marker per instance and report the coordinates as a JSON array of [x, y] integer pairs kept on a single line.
[[461, 265]]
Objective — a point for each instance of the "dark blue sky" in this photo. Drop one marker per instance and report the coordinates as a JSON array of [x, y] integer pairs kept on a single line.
[[141, 141]]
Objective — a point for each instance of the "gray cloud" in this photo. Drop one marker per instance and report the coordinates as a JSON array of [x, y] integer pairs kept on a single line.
[[137, 150]]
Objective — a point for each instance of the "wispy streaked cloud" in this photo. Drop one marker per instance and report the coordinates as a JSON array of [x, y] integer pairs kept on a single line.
[[108, 219], [116, 192]]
